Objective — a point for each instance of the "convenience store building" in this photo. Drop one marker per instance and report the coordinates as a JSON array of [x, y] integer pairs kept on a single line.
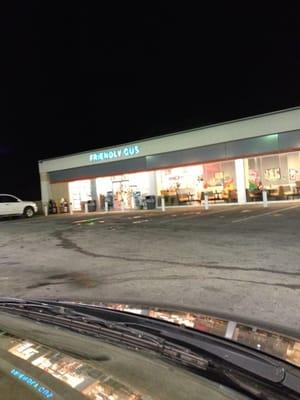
[[231, 162]]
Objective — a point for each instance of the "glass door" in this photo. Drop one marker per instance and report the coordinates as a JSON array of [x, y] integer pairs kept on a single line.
[[122, 194]]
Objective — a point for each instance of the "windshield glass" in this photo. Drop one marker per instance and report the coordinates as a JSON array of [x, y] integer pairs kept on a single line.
[[64, 364], [280, 346]]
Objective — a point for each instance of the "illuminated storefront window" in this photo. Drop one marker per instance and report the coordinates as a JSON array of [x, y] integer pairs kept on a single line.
[[179, 185], [188, 184], [220, 181], [224, 181], [279, 174]]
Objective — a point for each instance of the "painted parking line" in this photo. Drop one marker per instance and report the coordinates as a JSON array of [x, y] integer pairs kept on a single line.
[[87, 220], [82, 221], [209, 212], [140, 221], [274, 212], [195, 215]]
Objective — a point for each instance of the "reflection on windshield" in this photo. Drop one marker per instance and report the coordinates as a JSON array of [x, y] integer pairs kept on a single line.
[[91, 382], [283, 347]]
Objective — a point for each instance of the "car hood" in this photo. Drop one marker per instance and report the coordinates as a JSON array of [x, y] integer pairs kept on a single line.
[[43, 361]]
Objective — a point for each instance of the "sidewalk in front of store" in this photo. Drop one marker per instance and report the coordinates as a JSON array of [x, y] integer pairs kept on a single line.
[[174, 208]]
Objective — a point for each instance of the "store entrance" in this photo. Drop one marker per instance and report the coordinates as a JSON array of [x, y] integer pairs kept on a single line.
[[122, 194], [128, 191]]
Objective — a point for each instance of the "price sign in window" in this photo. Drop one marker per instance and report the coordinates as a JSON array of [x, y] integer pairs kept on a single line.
[[272, 174]]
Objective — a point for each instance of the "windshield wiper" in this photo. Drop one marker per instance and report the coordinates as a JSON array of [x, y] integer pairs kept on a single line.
[[117, 332], [235, 364]]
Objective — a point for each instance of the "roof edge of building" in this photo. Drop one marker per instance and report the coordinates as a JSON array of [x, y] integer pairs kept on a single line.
[[177, 132]]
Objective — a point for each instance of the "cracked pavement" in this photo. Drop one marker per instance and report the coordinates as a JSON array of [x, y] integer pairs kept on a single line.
[[241, 261]]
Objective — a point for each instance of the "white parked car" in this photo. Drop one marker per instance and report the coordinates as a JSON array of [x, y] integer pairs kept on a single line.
[[11, 205]]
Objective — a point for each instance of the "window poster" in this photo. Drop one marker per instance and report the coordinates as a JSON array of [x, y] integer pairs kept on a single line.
[[272, 174], [294, 174]]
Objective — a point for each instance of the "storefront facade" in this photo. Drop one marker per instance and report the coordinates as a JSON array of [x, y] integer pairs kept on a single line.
[[231, 162]]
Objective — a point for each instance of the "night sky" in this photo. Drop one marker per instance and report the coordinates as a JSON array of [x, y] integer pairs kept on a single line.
[[75, 77]]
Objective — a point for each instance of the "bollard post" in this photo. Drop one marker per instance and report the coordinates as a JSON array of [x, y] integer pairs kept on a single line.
[[265, 198], [163, 205], [71, 208], [132, 202], [46, 210], [206, 201], [106, 206], [86, 210]]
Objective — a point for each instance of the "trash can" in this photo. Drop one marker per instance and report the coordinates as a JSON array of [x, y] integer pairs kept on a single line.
[[64, 207], [92, 206], [137, 196], [52, 207], [110, 200], [150, 202]]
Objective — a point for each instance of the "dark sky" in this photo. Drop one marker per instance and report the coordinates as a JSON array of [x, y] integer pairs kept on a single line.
[[76, 77]]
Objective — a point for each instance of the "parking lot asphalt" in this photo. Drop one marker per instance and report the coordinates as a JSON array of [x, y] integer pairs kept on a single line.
[[241, 261]]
